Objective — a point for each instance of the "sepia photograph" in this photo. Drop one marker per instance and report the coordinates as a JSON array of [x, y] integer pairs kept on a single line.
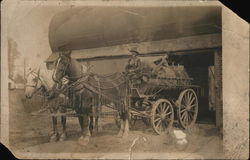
[[123, 80]]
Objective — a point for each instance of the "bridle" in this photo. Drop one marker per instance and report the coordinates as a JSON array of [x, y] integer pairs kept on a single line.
[[33, 85], [66, 66], [64, 69], [37, 75]]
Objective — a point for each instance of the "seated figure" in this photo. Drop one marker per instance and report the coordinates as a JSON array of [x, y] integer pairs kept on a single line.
[[163, 61], [162, 68], [133, 68], [134, 63]]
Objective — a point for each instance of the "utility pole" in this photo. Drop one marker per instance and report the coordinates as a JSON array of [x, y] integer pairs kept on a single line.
[[24, 69]]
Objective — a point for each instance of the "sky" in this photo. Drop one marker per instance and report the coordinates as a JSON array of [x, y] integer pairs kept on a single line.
[[28, 27]]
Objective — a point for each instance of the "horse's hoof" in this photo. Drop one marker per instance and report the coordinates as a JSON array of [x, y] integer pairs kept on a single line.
[[119, 135], [84, 140], [54, 137], [63, 137]]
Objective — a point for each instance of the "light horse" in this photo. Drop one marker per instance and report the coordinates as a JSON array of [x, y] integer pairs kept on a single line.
[[66, 66], [41, 81]]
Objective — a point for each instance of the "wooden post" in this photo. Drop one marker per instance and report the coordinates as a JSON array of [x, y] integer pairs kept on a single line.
[[218, 87]]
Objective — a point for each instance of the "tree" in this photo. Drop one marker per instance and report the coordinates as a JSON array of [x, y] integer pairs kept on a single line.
[[13, 54]]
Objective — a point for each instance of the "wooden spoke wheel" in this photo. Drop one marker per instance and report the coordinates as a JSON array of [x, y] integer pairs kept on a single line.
[[187, 108], [162, 116]]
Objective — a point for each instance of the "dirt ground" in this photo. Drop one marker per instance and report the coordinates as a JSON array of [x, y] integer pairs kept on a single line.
[[30, 134]]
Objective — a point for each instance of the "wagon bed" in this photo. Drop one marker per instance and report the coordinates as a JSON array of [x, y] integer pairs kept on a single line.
[[155, 86], [166, 96]]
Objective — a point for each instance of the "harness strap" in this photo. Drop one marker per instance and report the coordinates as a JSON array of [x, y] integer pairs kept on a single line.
[[99, 89]]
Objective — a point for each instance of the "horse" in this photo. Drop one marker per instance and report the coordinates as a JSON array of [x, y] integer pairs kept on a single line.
[[89, 92], [40, 80]]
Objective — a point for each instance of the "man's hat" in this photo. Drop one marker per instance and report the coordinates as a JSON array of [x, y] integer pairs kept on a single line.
[[134, 51]]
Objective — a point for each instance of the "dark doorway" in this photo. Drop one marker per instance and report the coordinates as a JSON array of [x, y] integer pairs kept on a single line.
[[197, 65]]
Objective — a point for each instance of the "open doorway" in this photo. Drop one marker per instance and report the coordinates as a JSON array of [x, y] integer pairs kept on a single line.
[[200, 66]]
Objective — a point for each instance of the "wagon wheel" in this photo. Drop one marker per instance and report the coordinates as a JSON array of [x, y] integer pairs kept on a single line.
[[162, 116], [187, 108]]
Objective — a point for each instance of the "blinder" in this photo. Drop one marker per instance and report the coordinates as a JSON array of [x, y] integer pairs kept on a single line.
[[66, 64], [37, 78]]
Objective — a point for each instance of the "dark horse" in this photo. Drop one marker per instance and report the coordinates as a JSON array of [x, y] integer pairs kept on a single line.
[[91, 90]]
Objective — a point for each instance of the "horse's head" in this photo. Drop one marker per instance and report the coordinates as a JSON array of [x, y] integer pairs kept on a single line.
[[62, 65], [33, 83]]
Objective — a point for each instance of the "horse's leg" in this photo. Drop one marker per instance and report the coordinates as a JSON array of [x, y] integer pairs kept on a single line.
[[80, 119], [125, 118], [96, 123], [87, 133], [125, 109], [120, 133], [63, 135], [91, 124], [84, 139], [91, 119], [126, 125], [96, 116], [77, 107], [54, 135], [99, 123]]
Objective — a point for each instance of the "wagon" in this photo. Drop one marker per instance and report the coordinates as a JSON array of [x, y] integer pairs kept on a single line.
[[164, 95], [167, 96]]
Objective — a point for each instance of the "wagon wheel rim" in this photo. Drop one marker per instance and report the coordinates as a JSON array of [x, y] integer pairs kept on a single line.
[[187, 108], [162, 116]]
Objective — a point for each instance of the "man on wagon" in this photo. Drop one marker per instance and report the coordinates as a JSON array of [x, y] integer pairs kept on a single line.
[[134, 63], [163, 61], [134, 67]]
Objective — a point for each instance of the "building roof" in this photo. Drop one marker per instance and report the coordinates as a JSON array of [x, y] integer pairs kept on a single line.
[[94, 27], [146, 48]]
